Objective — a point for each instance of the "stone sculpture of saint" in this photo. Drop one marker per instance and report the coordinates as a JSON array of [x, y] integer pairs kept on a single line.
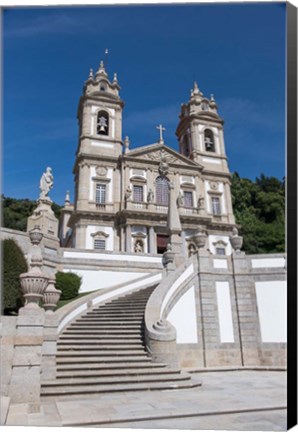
[[139, 247], [180, 200], [46, 183], [201, 202], [150, 196]]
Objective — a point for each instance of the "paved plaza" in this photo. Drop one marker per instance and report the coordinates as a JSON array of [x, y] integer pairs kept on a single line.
[[229, 400]]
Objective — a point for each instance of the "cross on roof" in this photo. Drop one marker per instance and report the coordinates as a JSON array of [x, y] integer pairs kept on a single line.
[[161, 128]]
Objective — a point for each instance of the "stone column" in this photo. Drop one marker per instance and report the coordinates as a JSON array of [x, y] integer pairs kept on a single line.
[[152, 247], [83, 187], [128, 238]]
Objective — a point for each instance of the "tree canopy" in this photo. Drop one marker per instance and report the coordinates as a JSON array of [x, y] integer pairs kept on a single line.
[[16, 212], [259, 208]]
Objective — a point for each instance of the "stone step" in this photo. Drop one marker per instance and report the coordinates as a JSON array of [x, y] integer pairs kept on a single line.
[[91, 381], [104, 330], [119, 315], [101, 347], [117, 320], [91, 337], [77, 392], [113, 312], [109, 361], [100, 352], [104, 324], [99, 342], [115, 373], [110, 367]]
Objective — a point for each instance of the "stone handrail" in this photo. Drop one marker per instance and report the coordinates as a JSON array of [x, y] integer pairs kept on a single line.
[[160, 335]]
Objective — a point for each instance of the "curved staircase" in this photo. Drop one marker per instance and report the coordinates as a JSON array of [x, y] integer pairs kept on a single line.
[[103, 351]]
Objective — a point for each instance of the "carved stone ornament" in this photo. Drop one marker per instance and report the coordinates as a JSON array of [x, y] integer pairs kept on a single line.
[[101, 171], [214, 185]]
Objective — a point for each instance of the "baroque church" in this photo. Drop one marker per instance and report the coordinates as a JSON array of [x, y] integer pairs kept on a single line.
[[121, 194]]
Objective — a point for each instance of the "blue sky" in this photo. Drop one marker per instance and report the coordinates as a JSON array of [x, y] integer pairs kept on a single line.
[[236, 51]]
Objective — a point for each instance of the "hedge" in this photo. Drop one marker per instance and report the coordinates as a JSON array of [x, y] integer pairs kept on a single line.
[[14, 263], [69, 284]]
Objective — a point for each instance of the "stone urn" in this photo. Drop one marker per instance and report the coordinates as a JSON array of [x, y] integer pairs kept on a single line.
[[35, 235], [51, 296], [34, 282], [33, 286], [168, 256], [200, 239], [236, 240]]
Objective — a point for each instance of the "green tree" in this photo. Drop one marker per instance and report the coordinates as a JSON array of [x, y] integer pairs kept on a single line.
[[69, 284], [16, 212], [259, 209], [14, 263]]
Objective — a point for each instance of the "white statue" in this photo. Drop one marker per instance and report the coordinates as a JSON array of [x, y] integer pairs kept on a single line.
[[46, 183]]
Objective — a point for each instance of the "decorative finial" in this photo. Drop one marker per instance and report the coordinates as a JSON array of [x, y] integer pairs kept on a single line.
[[115, 77], [195, 88], [67, 198], [91, 74], [212, 97], [101, 69], [126, 144], [160, 128]]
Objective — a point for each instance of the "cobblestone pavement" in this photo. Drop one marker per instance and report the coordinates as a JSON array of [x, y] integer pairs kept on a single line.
[[229, 400]]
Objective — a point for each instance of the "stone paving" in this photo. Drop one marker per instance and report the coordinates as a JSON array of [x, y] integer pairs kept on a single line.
[[229, 400]]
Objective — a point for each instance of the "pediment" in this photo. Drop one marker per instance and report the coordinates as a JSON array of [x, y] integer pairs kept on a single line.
[[160, 152]]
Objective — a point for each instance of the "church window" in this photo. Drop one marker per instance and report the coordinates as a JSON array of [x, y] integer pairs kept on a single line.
[[220, 251], [138, 193], [188, 199], [209, 140], [102, 87], [162, 190], [102, 123], [99, 244], [216, 210], [100, 195]]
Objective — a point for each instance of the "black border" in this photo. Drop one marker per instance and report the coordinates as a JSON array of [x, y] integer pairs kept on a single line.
[[292, 211]]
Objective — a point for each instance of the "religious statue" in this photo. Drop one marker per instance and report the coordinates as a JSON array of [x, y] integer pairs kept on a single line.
[[201, 202], [139, 246], [180, 200], [191, 249], [46, 183], [128, 193], [150, 196]]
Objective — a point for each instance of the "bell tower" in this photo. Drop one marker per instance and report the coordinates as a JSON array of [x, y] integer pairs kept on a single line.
[[200, 132], [100, 115]]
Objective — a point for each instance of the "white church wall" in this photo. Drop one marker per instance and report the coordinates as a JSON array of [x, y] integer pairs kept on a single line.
[[272, 310], [93, 280], [91, 229], [224, 309], [215, 238], [268, 262], [183, 317]]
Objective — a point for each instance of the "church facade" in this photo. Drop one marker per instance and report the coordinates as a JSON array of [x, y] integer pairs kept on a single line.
[[121, 194]]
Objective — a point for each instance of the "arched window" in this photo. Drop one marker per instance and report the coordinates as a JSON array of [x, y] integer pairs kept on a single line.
[[209, 140], [162, 190], [103, 123]]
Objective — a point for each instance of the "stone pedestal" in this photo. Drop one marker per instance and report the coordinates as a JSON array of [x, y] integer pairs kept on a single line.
[[26, 366], [49, 348], [44, 217]]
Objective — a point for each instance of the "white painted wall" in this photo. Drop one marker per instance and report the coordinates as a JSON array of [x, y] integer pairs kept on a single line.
[[268, 262], [211, 160], [220, 263], [91, 229], [184, 319], [181, 279], [112, 257], [215, 238], [272, 309], [224, 308], [93, 280]]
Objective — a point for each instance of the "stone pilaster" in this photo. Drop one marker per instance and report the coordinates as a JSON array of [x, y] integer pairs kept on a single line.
[[128, 238], [26, 366], [152, 246]]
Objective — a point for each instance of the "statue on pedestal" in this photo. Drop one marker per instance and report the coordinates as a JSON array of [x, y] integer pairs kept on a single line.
[[46, 183]]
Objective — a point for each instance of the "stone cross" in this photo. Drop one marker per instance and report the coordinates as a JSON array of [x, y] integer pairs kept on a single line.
[[161, 128]]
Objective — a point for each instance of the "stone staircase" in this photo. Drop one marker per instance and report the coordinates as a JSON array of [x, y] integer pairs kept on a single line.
[[103, 351]]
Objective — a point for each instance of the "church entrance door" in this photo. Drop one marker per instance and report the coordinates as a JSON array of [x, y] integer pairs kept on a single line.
[[162, 241]]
